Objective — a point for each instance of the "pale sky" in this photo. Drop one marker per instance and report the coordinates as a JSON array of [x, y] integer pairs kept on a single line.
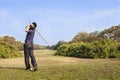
[[57, 19]]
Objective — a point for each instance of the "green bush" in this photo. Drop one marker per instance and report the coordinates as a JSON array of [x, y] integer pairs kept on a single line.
[[8, 51], [79, 50], [97, 49]]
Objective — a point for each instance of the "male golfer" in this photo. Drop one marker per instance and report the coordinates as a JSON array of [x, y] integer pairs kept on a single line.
[[28, 47]]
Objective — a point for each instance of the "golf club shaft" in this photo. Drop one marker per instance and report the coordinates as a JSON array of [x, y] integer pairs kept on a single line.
[[42, 37]]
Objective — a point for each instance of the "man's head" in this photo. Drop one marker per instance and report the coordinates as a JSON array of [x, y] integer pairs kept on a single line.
[[33, 25]]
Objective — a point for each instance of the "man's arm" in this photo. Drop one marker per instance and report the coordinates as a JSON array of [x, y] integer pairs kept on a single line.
[[27, 29]]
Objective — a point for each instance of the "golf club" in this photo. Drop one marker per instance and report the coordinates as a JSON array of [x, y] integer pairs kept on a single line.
[[42, 37]]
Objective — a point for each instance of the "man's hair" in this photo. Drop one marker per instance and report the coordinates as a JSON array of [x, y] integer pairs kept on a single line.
[[35, 24]]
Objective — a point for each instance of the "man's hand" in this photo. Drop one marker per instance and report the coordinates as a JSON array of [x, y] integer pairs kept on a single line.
[[30, 26], [27, 28]]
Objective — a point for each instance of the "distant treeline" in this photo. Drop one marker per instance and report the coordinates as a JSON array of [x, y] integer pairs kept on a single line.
[[104, 44]]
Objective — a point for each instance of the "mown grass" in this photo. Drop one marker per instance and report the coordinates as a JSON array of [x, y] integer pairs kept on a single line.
[[60, 68]]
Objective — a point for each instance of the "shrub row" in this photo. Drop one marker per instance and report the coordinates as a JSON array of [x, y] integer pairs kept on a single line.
[[97, 49], [8, 51]]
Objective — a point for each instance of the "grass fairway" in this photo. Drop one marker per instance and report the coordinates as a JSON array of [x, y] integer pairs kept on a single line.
[[60, 68]]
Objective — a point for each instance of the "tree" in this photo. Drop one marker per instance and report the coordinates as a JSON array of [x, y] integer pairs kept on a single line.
[[85, 37], [112, 33], [12, 41]]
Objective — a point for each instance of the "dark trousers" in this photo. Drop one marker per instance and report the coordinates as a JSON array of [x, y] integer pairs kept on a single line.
[[28, 53]]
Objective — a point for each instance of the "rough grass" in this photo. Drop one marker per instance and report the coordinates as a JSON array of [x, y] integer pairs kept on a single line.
[[60, 68]]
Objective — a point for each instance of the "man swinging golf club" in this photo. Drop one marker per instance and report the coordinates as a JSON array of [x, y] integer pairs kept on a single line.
[[28, 47]]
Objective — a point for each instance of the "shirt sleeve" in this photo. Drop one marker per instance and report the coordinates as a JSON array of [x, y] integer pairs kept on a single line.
[[30, 31]]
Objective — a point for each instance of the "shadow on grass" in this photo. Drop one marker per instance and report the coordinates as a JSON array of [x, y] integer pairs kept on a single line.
[[12, 68]]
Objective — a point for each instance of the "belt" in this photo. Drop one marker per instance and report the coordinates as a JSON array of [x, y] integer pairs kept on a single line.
[[28, 42]]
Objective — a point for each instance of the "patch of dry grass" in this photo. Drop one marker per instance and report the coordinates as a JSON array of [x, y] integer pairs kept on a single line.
[[46, 57]]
